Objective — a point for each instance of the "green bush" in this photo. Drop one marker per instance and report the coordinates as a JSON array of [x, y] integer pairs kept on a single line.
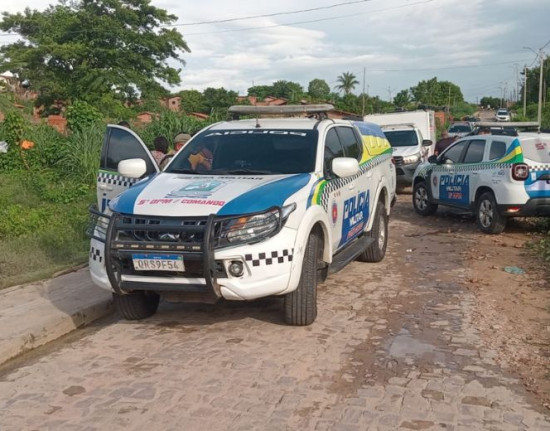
[[169, 124], [81, 115], [81, 154]]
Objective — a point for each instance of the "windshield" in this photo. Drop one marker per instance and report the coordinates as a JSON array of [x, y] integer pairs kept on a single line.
[[502, 112], [459, 128], [402, 138], [248, 152]]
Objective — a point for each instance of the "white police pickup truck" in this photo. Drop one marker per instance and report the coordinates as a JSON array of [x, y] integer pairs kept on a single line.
[[494, 176], [247, 209]]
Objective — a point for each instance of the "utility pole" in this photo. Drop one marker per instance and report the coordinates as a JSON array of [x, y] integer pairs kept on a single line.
[[525, 91], [363, 107], [389, 93], [541, 82], [540, 55]]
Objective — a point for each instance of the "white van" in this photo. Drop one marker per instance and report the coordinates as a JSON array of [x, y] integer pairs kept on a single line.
[[412, 137]]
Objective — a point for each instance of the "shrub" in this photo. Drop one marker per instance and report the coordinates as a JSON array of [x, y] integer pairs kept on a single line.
[[81, 154], [80, 115], [169, 124]]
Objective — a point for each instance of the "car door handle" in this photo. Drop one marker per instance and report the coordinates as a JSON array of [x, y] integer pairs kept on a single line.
[[105, 187], [351, 186]]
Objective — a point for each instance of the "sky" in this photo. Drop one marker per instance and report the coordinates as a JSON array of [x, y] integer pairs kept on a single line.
[[389, 45]]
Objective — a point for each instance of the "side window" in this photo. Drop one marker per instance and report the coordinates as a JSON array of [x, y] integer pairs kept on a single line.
[[454, 152], [497, 151], [350, 142], [474, 153], [120, 145], [333, 149]]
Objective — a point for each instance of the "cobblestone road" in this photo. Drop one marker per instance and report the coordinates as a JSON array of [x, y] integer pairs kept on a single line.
[[393, 347]]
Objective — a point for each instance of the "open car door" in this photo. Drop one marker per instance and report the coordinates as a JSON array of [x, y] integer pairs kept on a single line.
[[119, 144]]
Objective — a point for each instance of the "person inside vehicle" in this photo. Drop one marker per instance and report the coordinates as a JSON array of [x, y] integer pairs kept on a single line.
[[484, 131], [161, 147], [201, 160], [443, 143]]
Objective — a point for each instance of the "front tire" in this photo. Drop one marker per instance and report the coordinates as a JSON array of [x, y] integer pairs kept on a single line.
[[136, 305], [379, 232], [421, 200], [488, 218], [301, 305]]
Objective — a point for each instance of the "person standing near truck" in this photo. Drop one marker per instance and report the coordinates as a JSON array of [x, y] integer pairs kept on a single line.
[[443, 143]]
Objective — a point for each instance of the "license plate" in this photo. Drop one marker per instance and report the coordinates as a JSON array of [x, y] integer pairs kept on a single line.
[[158, 262]]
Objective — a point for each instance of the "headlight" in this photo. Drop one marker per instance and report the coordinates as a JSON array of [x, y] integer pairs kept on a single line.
[[255, 227], [407, 160]]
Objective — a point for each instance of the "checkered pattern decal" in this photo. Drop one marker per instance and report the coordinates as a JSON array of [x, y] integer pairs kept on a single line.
[[538, 168], [115, 179], [459, 167], [325, 188], [270, 258], [95, 254]]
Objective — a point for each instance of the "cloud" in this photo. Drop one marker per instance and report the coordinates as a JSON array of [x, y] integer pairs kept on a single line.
[[391, 43]]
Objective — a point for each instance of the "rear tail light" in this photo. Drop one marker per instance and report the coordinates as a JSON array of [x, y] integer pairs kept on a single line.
[[520, 171], [393, 160]]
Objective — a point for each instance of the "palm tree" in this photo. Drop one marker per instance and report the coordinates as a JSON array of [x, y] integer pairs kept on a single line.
[[347, 82]]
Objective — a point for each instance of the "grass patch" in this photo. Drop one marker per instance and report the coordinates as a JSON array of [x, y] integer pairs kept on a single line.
[[38, 237]]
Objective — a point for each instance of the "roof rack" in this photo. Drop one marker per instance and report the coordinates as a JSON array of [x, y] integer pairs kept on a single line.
[[398, 125], [503, 124], [285, 110]]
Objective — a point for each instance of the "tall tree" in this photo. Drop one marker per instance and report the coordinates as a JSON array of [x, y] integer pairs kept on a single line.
[[403, 98], [191, 101], [437, 93], [85, 49], [346, 82], [261, 91], [289, 90], [318, 89], [218, 99]]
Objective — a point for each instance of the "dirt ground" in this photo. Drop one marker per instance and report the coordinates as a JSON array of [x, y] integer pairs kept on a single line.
[[513, 310]]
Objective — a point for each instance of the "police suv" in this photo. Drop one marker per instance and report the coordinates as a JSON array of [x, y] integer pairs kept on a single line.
[[247, 209], [494, 176]]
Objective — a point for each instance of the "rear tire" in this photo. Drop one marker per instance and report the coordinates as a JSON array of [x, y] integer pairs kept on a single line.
[[301, 305], [379, 232], [488, 218], [421, 200], [136, 305]]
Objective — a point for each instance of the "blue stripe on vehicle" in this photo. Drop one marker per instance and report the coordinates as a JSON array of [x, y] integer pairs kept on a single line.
[[266, 196], [124, 203], [369, 129]]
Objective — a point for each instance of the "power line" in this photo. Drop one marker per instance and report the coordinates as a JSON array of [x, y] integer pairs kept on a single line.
[[269, 15], [221, 21], [309, 21]]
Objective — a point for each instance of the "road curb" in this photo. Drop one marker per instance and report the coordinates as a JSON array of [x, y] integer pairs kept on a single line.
[[35, 314]]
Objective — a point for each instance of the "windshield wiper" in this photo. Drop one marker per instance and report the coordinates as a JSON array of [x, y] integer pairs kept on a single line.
[[184, 171], [243, 171]]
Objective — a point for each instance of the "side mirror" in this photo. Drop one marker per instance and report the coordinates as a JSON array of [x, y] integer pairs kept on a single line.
[[345, 166], [426, 142], [132, 168], [432, 158]]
